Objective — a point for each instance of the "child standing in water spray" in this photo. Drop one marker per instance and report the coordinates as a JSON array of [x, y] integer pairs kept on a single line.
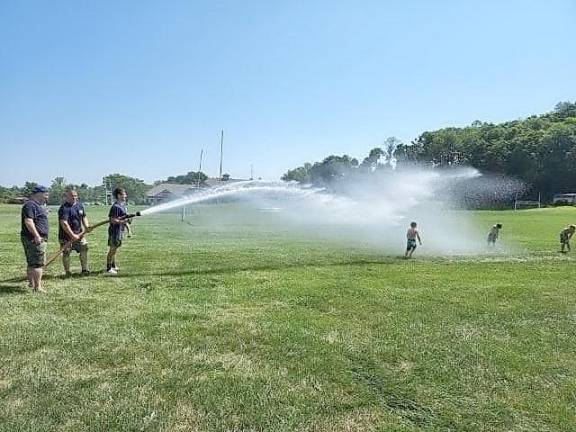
[[116, 215], [411, 235], [565, 236], [493, 234]]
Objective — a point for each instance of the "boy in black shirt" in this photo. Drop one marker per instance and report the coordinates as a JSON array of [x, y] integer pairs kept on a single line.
[[116, 229]]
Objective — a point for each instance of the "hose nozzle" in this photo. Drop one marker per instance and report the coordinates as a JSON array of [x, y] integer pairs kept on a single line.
[[130, 216]]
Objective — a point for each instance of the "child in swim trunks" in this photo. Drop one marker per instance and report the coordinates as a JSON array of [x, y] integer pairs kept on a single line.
[[565, 236], [412, 235]]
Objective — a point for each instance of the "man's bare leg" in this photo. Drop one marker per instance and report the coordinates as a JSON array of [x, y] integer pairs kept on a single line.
[[84, 259], [37, 275], [66, 262], [30, 276], [111, 257]]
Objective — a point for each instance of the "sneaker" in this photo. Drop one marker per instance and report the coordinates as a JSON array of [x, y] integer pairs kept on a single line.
[[67, 274], [112, 272], [116, 268], [85, 273]]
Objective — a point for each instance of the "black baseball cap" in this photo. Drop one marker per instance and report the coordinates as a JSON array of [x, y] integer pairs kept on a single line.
[[40, 189]]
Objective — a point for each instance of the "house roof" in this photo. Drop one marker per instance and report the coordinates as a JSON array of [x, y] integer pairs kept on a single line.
[[181, 189], [175, 189]]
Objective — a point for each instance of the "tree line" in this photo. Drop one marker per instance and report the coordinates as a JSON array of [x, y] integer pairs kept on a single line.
[[540, 151], [335, 170], [135, 188]]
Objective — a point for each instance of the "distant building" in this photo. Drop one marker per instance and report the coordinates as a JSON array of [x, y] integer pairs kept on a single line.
[[17, 200], [165, 192], [565, 198]]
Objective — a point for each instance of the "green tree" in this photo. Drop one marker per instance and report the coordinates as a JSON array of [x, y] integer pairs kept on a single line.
[[539, 150], [57, 190], [300, 174], [328, 173], [565, 110], [6, 194], [135, 188], [28, 187], [371, 161], [333, 169], [191, 177]]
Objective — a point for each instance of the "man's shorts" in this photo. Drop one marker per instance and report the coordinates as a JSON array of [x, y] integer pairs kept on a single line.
[[491, 238], [114, 242], [563, 239], [411, 244], [78, 246], [35, 253]]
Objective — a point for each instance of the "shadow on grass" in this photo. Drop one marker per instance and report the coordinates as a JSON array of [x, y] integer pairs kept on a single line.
[[269, 267], [12, 289], [53, 277], [215, 271], [14, 279]]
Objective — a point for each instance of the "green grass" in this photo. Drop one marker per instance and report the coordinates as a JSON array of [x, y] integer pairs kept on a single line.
[[242, 326]]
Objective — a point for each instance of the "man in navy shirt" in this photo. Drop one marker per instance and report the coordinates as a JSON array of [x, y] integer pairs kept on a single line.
[[116, 228], [73, 225], [34, 235]]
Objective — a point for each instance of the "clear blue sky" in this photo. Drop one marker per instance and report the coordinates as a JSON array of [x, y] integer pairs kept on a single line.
[[89, 88]]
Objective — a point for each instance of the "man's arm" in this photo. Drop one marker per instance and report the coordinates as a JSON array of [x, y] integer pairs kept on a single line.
[[66, 227], [418, 237], [86, 224], [32, 229]]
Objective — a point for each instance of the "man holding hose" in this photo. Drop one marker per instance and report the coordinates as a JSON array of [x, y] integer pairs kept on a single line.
[[73, 225]]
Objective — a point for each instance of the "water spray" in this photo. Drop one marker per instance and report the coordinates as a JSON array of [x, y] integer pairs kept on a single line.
[[371, 210]]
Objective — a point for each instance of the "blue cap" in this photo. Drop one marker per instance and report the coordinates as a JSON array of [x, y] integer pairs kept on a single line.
[[39, 189]]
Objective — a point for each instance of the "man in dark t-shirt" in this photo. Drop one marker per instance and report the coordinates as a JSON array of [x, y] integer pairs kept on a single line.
[[73, 224], [117, 216], [34, 235]]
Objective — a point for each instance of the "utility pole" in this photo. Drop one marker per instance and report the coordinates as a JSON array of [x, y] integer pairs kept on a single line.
[[539, 196], [251, 172], [107, 193], [200, 168], [221, 153], [183, 214]]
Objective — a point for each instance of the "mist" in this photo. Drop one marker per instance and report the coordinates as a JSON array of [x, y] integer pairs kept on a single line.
[[373, 211]]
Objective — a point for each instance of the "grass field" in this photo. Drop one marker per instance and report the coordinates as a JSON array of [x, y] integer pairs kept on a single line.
[[229, 327]]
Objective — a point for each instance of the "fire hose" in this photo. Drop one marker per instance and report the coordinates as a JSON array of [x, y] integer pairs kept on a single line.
[[70, 242]]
